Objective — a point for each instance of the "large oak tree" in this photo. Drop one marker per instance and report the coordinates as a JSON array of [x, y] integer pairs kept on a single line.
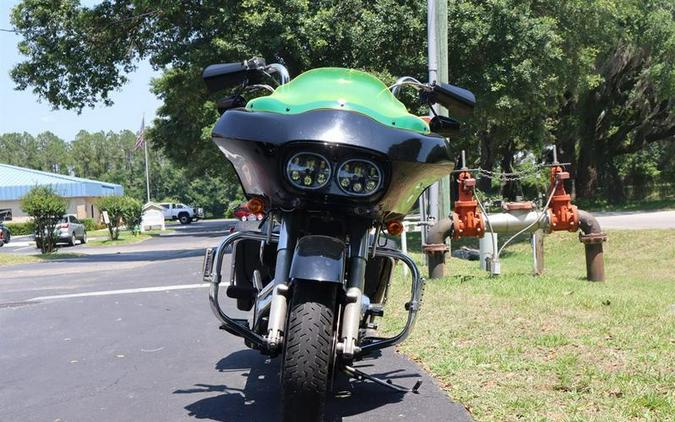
[[595, 76]]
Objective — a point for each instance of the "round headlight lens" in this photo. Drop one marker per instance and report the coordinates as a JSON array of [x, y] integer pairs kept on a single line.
[[307, 170], [359, 177]]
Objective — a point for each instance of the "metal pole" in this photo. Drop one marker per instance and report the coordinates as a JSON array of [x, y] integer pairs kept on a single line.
[[432, 53], [538, 252], [441, 28]]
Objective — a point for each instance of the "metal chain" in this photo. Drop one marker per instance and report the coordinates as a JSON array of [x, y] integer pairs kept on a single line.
[[513, 176]]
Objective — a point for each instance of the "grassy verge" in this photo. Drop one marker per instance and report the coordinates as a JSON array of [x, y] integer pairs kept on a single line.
[[125, 237], [554, 347], [12, 259]]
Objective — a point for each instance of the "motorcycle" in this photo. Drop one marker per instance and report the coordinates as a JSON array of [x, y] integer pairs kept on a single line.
[[333, 159]]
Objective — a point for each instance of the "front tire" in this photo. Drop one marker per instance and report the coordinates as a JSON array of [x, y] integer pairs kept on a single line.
[[308, 352], [184, 219]]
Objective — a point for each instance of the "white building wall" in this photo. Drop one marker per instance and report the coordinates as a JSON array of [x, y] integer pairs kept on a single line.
[[82, 207]]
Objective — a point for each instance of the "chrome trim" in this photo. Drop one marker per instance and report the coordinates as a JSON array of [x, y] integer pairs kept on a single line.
[[282, 71], [405, 80], [215, 278], [416, 291]]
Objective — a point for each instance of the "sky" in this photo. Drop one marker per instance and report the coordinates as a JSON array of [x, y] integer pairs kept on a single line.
[[23, 111]]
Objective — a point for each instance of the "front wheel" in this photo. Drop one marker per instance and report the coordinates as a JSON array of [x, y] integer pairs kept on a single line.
[[308, 352]]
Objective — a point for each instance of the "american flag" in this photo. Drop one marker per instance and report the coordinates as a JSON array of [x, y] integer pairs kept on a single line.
[[140, 139]]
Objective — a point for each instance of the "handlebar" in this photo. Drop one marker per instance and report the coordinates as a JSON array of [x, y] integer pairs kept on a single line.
[[250, 72], [458, 101]]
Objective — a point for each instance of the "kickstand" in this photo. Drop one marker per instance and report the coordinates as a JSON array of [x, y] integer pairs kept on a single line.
[[360, 375]]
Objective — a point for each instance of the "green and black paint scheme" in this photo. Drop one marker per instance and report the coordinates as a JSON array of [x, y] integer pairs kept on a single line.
[[315, 258], [339, 113]]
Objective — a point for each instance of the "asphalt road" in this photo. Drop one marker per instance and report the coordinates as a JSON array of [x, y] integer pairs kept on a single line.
[[636, 219], [80, 342]]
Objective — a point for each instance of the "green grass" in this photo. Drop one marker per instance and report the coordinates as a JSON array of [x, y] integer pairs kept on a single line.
[[12, 259], [125, 237], [554, 347]]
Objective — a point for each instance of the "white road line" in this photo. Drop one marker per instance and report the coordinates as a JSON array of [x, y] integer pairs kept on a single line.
[[122, 292]]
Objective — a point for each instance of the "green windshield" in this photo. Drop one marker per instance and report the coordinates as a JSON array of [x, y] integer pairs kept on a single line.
[[340, 89]]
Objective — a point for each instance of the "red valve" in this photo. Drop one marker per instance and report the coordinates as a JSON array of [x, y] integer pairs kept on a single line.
[[467, 220], [561, 213]]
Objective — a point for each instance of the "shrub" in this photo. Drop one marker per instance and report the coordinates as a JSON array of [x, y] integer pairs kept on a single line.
[[132, 214], [21, 229], [90, 224], [46, 208], [120, 209]]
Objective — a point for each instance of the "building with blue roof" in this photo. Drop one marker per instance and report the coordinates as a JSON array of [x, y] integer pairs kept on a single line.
[[80, 193]]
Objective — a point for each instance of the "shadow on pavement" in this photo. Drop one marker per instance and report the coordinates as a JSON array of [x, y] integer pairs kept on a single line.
[[259, 399]]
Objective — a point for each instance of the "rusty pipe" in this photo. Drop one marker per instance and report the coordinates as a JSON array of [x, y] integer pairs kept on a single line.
[[436, 249], [592, 239]]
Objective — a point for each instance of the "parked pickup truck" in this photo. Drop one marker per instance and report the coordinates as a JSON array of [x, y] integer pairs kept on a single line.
[[181, 212]]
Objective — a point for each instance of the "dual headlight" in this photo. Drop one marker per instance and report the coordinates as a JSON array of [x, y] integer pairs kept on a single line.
[[308, 170]]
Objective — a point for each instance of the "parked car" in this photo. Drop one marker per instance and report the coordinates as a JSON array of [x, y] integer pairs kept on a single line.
[[5, 234], [242, 213], [68, 230], [181, 212]]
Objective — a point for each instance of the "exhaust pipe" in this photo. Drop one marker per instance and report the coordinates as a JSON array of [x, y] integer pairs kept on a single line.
[[592, 239], [436, 249]]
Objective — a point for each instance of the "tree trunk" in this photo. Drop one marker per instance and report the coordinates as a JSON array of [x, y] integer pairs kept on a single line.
[[487, 159]]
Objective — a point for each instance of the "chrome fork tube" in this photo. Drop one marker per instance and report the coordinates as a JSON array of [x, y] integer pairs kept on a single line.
[[351, 317], [279, 302]]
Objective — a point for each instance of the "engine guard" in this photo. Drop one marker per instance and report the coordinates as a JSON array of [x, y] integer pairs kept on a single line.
[[213, 261]]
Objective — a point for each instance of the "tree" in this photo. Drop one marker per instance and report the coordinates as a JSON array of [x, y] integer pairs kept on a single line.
[[115, 206], [46, 151], [46, 208], [132, 214], [593, 76]]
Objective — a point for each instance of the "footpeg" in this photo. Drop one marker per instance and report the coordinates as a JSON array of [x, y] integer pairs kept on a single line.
[[360, 376], [241, 322], [375, 309]]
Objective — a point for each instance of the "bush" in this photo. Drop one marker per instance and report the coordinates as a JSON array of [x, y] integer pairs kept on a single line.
[[21, 229], [90, 224], [120, 209], [46, 208], [133, 212]]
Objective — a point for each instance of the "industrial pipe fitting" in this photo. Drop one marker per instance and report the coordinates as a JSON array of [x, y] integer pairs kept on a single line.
[[516, 220], [562, 215], [592, 238], [436, 249], [467, 219]]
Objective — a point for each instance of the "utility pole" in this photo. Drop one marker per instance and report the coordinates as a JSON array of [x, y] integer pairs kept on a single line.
[[442, 52], [437, 35], [432, 54]]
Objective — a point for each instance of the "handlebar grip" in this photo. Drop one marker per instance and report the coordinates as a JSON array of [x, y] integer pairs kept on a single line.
[[226, 75], [459, 101]]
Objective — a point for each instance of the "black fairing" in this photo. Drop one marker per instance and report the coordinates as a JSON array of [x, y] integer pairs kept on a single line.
[[258, 144]]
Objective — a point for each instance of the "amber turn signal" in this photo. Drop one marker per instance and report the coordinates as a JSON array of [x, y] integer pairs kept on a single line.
[[394, 228], [256, 205]]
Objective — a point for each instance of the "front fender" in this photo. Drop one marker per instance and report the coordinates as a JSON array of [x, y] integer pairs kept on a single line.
[[319, 258]]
